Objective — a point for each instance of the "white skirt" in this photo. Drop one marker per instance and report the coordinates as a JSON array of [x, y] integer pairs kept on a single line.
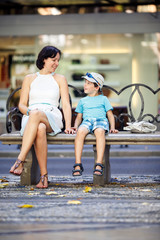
[[53, 114]]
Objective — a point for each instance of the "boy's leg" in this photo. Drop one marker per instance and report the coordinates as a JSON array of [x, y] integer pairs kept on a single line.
[[100, 146], [79, 142]]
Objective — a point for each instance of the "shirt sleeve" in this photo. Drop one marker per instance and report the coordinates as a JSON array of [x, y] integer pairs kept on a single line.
[[79, 108], [108, 106]]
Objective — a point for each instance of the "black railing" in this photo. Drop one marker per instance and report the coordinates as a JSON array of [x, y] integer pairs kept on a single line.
[[14, 115]]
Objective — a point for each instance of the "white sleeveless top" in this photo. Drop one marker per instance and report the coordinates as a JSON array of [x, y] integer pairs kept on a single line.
[[44, 96], [44, 89]]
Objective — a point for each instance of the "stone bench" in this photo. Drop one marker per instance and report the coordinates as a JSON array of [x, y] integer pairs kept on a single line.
[[31, 173]]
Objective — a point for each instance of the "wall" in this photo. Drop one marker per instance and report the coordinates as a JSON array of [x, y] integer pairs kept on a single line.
[[132, 59]]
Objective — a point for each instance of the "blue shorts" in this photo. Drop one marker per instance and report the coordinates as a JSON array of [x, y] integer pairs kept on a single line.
[[93, 123]]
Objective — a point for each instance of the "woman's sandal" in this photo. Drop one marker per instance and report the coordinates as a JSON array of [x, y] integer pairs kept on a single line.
[[42, 179], [17, 164], [98, 170], [77, 170]]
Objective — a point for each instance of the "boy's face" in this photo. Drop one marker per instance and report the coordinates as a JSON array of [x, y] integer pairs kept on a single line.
[[89, 87]]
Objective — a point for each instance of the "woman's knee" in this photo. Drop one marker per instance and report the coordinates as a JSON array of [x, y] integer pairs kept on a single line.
[[34, 115], [41, 131]]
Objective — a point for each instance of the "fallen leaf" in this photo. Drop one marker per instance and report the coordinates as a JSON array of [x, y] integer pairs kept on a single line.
[[26, 206], [33, 193], [3, 185], [3, 180], [145, 203], [87, 189], [73, 202], [145, 190], [51, 193]]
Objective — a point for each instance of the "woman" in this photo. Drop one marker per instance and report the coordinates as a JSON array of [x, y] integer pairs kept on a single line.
[[39, 102]]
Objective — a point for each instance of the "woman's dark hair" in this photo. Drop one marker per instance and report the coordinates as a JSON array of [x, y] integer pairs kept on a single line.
[[46, 52]]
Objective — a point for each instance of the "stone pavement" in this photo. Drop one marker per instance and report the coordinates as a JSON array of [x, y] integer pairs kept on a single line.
[[127, 208]]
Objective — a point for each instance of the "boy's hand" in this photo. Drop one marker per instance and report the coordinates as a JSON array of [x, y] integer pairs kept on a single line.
[[113, 130]]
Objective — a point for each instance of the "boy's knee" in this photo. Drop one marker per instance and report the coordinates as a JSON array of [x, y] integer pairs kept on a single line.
[[82, 130], [99, 131]]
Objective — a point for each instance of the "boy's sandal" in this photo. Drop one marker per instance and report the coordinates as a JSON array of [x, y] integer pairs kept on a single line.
[[98, 170], [42, 178], [77, 170], [17, 164]]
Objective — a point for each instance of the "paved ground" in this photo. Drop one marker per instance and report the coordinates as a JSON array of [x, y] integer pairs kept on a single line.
[[128, 208]]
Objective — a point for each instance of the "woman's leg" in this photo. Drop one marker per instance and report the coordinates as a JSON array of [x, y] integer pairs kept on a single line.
[[100, 146], [30, 132], [41, 153], [79, 142]]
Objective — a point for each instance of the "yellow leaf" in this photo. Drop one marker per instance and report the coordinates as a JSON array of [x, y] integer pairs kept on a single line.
[[51, 193], [33, 193], [145, 190], [3, 185], [145, 203], [87, 189], [73, 202], [26, 206]]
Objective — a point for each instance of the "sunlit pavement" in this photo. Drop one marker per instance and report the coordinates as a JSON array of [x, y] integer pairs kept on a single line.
[[127, 208]]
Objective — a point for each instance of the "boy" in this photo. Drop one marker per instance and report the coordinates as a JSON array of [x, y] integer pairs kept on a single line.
[[92, 109]]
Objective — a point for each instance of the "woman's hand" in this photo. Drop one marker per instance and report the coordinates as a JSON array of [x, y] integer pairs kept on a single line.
[[71, 130]]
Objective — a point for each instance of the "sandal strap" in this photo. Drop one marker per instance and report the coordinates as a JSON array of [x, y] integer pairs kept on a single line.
[[18, 162], [98, 170], [78, 165], [78, 170], [100, 165], [43, 177]]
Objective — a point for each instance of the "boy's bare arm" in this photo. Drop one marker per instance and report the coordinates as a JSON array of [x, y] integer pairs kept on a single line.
[[78, 120], [112, 122]]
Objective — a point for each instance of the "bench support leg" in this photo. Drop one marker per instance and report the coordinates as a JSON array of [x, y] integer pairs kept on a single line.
[[106, 177], [31, 173]]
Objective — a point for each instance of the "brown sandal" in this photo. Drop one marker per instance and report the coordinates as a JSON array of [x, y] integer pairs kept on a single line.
[[17, 164], [42, 179]]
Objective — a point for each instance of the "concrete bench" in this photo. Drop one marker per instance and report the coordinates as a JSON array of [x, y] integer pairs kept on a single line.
[[31, 173]]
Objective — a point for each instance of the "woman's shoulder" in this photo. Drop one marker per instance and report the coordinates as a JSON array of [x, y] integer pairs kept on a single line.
[[30, 77], [60, 79], [58, 76]]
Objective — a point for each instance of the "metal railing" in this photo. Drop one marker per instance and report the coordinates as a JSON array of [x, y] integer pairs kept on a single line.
[[14, 115]]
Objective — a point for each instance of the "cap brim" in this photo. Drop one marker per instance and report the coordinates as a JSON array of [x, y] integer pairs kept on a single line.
[[89, 79]]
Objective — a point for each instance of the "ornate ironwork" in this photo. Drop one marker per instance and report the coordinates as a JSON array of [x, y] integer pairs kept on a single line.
[[136, 89], [14, 115]]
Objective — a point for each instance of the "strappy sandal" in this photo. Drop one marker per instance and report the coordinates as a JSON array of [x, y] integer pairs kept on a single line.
[[98, 170], [77, 170], [17, 164], [42, 179]]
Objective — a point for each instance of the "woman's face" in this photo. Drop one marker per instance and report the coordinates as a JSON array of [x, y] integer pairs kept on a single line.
[[52, 63]]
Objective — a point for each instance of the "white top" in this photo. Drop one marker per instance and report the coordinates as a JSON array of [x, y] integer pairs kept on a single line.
[[44, 89], [44, 95]]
